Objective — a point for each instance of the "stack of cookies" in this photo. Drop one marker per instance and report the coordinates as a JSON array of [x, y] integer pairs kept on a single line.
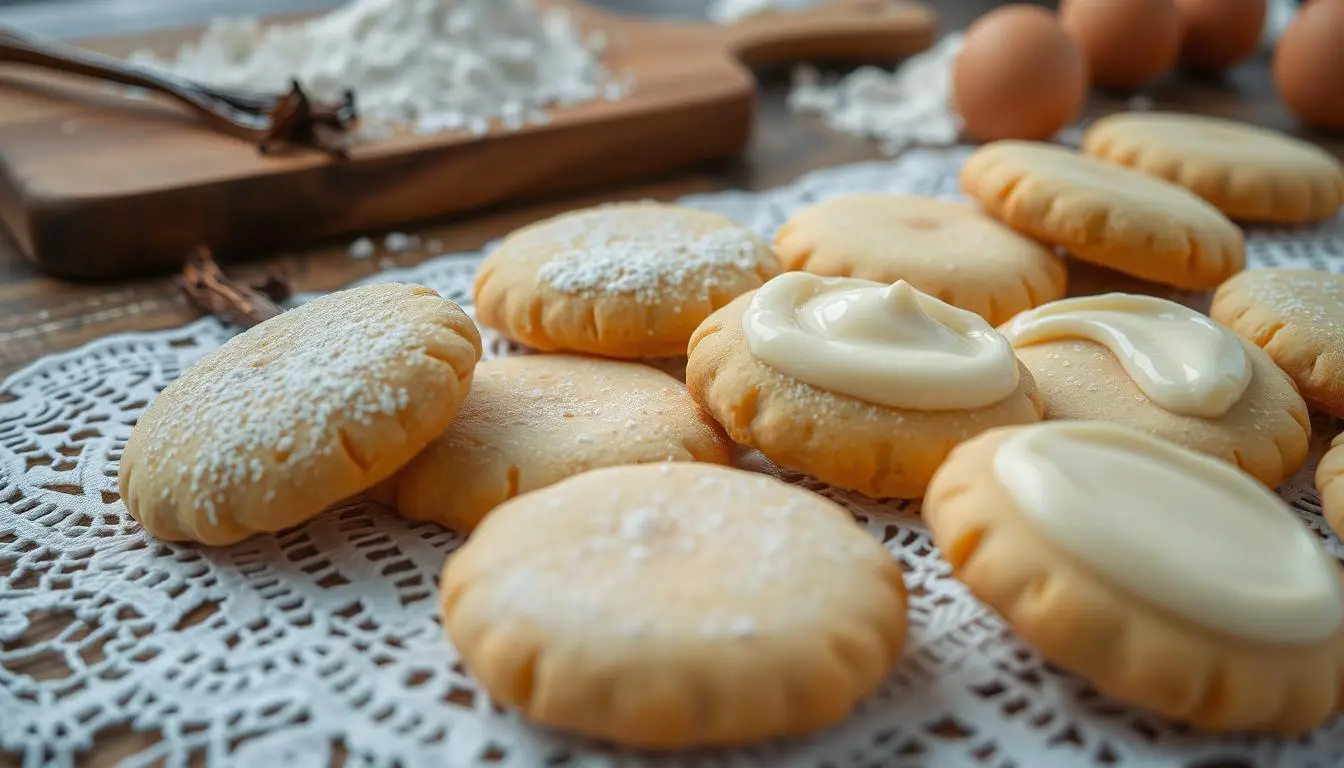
[[1096, 469]]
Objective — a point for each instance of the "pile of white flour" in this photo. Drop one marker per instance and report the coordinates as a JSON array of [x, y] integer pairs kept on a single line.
[[911, 106], [428, 65]]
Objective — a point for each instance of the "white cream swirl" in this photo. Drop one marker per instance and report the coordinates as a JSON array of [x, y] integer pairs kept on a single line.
[[1182, 360], [885, 344], [1184, 531]]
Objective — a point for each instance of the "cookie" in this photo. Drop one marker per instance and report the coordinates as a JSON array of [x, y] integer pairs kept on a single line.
[[945, 249], [534, 420], [1105, 214], [862, 385], [675, 605], [297, 413], [1297, 316], [1330, 484], [1169, 580], [1247, 172], [628, 280], [1166, 370]]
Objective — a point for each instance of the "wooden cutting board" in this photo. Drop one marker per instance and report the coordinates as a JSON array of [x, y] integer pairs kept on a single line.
[[95, 186]]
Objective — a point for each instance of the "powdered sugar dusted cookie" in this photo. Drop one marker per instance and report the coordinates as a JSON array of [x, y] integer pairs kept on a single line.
[[1169, 371], [1168, 579], [1105, 214], [1297, 317], [862, 385], [1245, 171], [297, 413], [675, 605], [626, 280], [534, 420], [945, 249]]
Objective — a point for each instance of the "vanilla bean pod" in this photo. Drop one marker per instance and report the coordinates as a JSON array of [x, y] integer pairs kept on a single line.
[[268, 121], [206, 286]]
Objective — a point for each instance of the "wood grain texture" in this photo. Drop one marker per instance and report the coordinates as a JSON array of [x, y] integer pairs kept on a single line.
[[93, 185]]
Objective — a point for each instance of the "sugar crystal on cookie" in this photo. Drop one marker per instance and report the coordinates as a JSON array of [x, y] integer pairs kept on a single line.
[[1316, 298], [323, 392], [231, 416], [608, 255], [628, 280]]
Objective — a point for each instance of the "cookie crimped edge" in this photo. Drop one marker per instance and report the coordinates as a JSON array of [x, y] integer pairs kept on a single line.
[[512, 660], [1279, 198], [1330, 485], [1169, 254], [798, 251], [1126, 647], [555, 321], [514, 664], [452, 341], [1317, 372], [900, 449], [504, 477]]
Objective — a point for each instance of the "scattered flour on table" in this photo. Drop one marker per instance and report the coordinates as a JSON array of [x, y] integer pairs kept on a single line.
[[1141, 103], [400, 242], [428, 65], [362, 248], [911, 106], [729, 11]]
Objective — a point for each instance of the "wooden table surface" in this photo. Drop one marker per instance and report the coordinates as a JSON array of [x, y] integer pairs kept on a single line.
[[39, 316]]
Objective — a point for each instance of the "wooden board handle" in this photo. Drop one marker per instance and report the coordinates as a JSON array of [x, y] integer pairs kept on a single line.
[[839, 30]]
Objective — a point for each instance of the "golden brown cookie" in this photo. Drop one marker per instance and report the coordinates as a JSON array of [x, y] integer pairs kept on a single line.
[[945, 249], [1167, 579], [534, 420], [1297, 316], [297, 413], [847, 440], [628, 280], [1245, 171], [1330, 484], [1105, 214], [1263, 427], [675, 605]]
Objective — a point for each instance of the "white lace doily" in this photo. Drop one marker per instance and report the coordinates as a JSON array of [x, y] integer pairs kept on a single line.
[[322, 642]]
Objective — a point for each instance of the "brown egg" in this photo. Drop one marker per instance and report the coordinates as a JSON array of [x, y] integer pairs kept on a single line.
[[1309, 64], [1219, 33], [1127, 43], [1018, 75]]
